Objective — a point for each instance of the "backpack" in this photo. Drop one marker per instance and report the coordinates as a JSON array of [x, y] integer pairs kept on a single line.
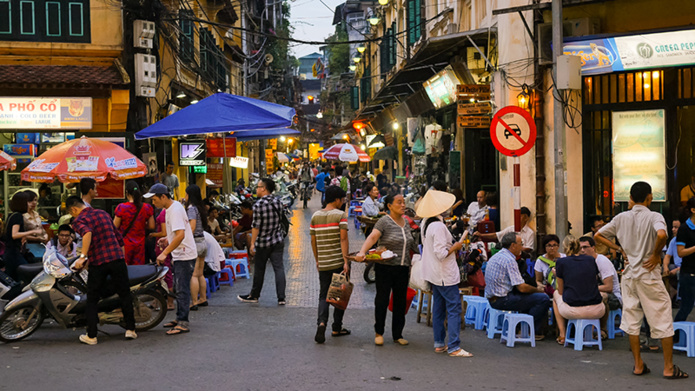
[[344, 183], [551, 264], [284, 220]]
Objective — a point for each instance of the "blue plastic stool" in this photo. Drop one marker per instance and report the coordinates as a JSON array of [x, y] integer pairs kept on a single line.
[[244, 267], [475, 313], [214, 282], [207, 288], [551, 315], [583, 334], [351, 211], [686, 342], [494, 321], [528, 333], [612, 330], [230, 277]]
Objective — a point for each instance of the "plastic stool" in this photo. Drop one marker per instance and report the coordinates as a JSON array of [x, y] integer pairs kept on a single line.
[[583, 334], [214, 282], [207, 288], [240, 267], [686, 340], [227, 281], [612, 330], [475, 313], [528, 333], [495, 321], [351, 211]]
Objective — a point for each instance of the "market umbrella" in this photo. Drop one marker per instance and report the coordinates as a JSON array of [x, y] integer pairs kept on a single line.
[[386, 153], [282, 158], [84, 158], [346, 153], [221, 113], [7, 162]]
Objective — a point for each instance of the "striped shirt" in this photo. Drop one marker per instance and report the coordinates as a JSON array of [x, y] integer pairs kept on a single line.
[[326, 226]]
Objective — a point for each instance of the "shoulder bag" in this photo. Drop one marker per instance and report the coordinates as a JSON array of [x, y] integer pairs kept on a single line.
[[132, 222]]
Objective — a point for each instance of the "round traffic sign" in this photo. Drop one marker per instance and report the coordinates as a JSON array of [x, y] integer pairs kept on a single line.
[[513, 131]]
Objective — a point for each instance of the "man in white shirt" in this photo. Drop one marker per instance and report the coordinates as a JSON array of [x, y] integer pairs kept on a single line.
[[528, 236], [477, 209], [607, 274], [642, 234], [182, 248]]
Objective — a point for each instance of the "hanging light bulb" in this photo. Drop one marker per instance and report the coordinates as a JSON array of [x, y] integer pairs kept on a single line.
[[361, 48], [383, 2], [395, 126], [373, 20], [356, 59], [319, 115], [352, 68]]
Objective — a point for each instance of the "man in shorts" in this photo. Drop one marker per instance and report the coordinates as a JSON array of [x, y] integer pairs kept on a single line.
[[642, 235]]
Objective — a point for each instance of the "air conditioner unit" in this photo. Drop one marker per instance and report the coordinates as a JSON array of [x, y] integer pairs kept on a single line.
[[452, 28], [570, 28], [474, 60], [145, 75], [143, 32]]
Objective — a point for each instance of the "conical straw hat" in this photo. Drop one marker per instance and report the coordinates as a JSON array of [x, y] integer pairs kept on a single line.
[[434, 203]]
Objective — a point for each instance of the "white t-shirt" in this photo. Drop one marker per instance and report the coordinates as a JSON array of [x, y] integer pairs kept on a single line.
[[433, 133], [476, 212], [605, 270], [215, 254], [176, 220], [543, 267], [528, 237]]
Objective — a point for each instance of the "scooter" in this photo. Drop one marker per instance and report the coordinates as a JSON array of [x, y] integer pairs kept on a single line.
[[58, 292]]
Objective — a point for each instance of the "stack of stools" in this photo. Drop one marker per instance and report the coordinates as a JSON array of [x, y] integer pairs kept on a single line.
[[686, 340], [583, 333], [238, 262], [475, 311], [528, 333]]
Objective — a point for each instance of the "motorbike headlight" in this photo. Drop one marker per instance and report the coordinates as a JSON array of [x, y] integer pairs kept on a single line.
[[56, 265]]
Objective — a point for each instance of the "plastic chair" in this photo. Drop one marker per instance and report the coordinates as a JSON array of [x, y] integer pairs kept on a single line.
[[686, 340], [583, 333], [528, 333], [240, 267], [494, 321], [475, 313], [229, 274], [612, 329]]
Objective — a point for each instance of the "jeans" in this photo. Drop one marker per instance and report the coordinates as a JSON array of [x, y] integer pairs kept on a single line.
[[391, 279], [687, 294], [534, 304], [325, 277], [183, 271], [96, 282], [446, 305], [274, 254]]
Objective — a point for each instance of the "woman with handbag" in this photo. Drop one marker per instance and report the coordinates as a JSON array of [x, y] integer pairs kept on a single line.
[[131, 219], [441, 270], [392, 232], [15, 233], [197, 217]]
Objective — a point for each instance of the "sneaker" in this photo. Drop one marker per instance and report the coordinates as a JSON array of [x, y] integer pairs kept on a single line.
[[130, 334], [281, 302], [247, 299], [320, 336], [84, 338]]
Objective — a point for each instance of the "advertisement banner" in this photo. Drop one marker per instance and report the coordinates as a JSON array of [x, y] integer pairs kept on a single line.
[[215, 174], [639, 152], [28, 138], [192, 153], [269, 156], [25, 150], [45, 113], [674, 48], [273, 143], [216, 147], [239, 162]]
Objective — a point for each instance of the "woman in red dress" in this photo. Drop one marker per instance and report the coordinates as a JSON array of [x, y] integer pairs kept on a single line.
[[132, 218]]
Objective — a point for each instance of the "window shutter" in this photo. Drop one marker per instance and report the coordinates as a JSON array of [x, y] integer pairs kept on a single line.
[[418, 20], [411, 21], [394, 48], [355, 97]]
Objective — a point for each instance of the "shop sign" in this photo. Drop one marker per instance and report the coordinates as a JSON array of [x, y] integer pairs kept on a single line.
[[192, 153], [465, 108], [45, 113], [468, 121], [639, 152], [200, 169], [20, 149], [472, 89], [219, 147], [215, 174], [239, 162], [273, 143], [53, 137], [632, 52], [513, 131], [269, 165]]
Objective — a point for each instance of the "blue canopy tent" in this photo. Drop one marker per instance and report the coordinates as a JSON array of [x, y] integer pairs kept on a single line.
[[263, 134], [221, 113]]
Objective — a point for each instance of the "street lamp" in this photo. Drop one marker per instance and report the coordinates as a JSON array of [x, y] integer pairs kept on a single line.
[[319, 115], [352, 68], [361, 48], [356, 59], [373, 20], [523, 98], [395, 126], [383, 2]]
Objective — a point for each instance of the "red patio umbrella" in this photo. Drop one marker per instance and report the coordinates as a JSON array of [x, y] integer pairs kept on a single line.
[[346, 153], [7, 162], [84, 158]]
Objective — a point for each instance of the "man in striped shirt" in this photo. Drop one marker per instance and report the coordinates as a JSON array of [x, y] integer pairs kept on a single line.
[[329, 241]]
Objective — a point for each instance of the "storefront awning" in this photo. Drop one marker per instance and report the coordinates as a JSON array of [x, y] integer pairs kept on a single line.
[[64, 75], [434, 54], [264, 134]]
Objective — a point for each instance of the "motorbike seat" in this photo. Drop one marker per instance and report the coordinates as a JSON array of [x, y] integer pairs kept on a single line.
[[140, 273], [27, 272]]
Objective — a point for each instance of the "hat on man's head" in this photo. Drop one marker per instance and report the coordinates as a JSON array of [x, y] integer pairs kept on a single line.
[[158, 189], [434, 203]]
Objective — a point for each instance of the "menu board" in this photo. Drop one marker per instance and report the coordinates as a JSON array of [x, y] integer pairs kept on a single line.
[[639, 152]]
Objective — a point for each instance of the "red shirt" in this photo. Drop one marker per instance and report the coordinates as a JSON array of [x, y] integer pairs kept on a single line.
[[107, 242], [126, 211]]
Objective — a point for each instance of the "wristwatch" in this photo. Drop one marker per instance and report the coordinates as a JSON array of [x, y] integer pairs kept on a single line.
[[83, 256]]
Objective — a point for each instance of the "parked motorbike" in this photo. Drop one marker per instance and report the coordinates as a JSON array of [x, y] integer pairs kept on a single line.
[[58, 292]]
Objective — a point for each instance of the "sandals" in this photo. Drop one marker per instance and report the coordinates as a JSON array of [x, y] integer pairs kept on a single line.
[[560, 341], [340, 333], [442, 349], [677, 373], [460, 353], [173, 323], [178, 330], [645, 370]]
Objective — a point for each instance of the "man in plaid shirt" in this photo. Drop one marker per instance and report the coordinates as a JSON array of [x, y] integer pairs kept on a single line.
[[267, 241], [102, 247]]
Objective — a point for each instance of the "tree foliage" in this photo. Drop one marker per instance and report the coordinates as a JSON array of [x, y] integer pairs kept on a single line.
[[339, 58]]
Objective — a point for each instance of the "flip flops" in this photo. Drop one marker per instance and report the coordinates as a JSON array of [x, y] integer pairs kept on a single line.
[[178, 330], [173, 323], [341, 333], [442, 349], [460, 353], [677, 373]]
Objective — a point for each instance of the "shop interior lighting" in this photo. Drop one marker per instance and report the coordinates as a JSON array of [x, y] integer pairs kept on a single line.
[[194, 101], [282, 139], [362, 147], [181, 95], [290, 141], [319, 115], [395, 126]]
